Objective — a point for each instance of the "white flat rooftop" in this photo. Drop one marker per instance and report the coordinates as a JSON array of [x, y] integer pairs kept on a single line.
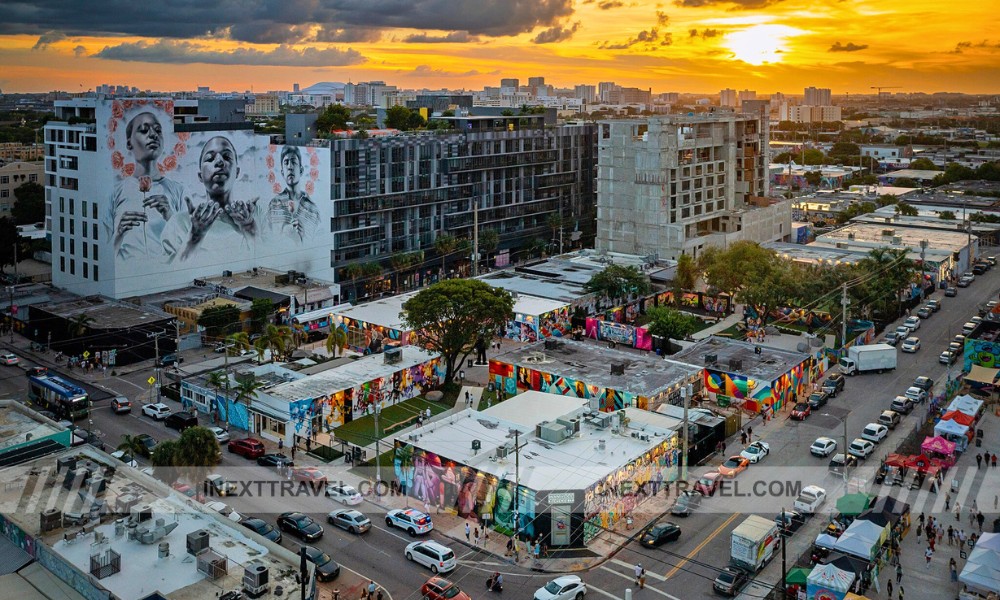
[[384, 312]]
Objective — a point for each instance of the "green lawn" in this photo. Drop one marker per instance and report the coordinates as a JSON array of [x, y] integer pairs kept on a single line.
[[362, 431]]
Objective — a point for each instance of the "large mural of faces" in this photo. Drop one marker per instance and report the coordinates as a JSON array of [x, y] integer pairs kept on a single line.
[[193, 204], [470, 493], [513, 379]]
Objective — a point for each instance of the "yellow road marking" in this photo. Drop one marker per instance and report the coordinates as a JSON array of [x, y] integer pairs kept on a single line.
[[698, 548]]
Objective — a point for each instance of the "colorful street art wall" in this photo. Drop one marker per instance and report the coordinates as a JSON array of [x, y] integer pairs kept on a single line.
[[618, 494], [755, 395], [555, 323], [441, 482], [514, 379], [984, 353], [368, 338], [698, 301]]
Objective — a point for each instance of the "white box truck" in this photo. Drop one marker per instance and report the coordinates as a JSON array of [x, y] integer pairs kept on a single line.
[[873, 358], [754, 542]]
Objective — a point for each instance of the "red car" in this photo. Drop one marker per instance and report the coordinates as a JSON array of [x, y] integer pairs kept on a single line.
[[311, 474], [708, 483], [801, 411], [247, 447], [439, 588], [188, 491]]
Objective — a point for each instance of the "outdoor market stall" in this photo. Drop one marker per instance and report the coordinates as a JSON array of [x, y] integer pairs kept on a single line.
[[982, 379], [939, 448], [853, 504], [862, 539], [982, 571], [968, 405], [954, 431], [829, 581]]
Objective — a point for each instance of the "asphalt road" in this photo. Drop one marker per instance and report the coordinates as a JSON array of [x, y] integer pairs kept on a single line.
[[684, 569]]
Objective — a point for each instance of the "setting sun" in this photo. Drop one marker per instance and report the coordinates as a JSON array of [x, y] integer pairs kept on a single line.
[[760, 44]]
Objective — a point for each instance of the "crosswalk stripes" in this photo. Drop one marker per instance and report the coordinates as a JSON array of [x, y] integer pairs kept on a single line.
[[631, 577], [622, 563]]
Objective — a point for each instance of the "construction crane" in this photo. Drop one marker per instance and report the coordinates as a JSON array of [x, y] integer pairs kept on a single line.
[[878, 99]]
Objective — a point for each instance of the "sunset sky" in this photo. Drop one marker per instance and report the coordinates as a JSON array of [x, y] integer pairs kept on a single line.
[[681, 45]]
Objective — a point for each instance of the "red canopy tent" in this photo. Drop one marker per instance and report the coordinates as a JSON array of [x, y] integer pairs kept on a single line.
[[959, 417], [922, 463], [895, 460]]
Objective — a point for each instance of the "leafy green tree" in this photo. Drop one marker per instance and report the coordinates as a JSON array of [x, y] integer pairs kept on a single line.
[[844, 149], [278, 339], [686, 273], [616, 282], [783, 158], [670, 323], [219, 320], [907, 210], [906, 182], [29, 206], [887, 199], [337, 339], [260, 313], [732, 269], [335, 117], [812, 156], [923, 164], [855, 209], [814, 178], [453, 315], [77, 326], [888, 271], [163, 454], [415, 121], [445, 244], [197, 447], [947, 215], [402, 118], [131, 444]]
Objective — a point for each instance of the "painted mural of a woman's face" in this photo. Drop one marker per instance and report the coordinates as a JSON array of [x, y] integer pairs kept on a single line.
[[144, 138]]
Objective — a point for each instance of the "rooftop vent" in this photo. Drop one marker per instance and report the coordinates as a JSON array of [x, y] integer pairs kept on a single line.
[[711, 359]]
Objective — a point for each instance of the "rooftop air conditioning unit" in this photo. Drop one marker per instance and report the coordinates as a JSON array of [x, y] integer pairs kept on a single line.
[[255, 579], [888, 232], [735, 364], [198, 542], [393, 356], [850, 235], [502, 451], [477, 445], [711, 359], [897, 240], [227, 273]]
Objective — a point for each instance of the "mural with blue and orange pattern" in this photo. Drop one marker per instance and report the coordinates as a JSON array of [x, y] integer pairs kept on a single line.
[[514, 379]]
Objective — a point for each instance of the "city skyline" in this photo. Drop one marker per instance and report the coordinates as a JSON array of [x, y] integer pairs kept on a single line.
[[694, 46]]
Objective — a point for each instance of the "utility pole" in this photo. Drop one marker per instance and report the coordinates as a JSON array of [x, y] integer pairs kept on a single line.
[[475, 236], [844, 303], [517, 483], [156, 364], [686, 392], [846, 455], [378, 438], [784, 563]]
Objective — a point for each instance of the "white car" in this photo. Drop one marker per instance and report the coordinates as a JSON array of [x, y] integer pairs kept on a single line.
[[125, 458], [916, 394], [911, 344], [861, 448], [410, 520], [436, 557], [221, 435], [902, 332], [810, 498], [912, 322], [567, 587], [874, 432], [756, 451], [223, 509], [343, 493], [9, 359], [823, 447], [968, 328], [158, 411]]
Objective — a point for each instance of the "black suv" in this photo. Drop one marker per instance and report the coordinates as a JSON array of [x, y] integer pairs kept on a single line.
[[834, 384], [924, 383], [181, 420], [818, 399]]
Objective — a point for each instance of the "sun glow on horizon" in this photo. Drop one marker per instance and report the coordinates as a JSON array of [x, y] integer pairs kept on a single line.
[[760, 44]]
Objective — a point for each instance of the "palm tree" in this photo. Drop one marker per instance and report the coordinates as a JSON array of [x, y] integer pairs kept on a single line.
[[299, 336], [78, 325], [278, 338], [445, 244], [131, 444], [371, 270], [218, 380], [260, 346], [400, 261], [246, 392], [555, 223], [336, 339], [238, 342], [489, 240], [353, 272]]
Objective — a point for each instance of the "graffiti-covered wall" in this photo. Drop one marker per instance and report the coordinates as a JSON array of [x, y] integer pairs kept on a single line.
[[755, 395], [368, 338], [513, 379], [984, 353]]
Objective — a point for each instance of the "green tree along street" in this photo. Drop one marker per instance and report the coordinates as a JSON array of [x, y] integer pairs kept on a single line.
[[670, 323], [29, 206], [334, 117], [854, 210], [219, 320], [923, 164], [489, 240], [906, 210], [131, 444], [685, 275], [736, 267], [337, 340], [616, 282], [403, 119], [163, 454], [947, 215], [445, 244], [453, 315]]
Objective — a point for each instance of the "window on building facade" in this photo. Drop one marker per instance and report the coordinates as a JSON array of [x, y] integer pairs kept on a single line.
[[72, 266], [86, 273], [96, 278]]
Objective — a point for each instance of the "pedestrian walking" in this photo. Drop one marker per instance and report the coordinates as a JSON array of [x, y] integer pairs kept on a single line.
[[899, 576], [980, 518], [900, 596], [468, 531], [979, 461], [293, 452], [510, 546], [972, 516], [281, 444], [930, 544], [958, 511], [371, 588], [378, 595], [640, 576], [888, 587], [996, 500], [953, 569], [993, 460], [538, 550], [961, 538], [920, 519], [743, 437], [475, 537], [927, 557], [951, 535], [919, 529], [749, 433], [939, 530], [628, 522]]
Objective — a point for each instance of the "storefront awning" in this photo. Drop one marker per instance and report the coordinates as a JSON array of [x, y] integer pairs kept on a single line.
[[981, 374]]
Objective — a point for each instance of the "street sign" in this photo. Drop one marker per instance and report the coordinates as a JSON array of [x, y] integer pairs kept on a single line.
[[151, 380], [86, 354]]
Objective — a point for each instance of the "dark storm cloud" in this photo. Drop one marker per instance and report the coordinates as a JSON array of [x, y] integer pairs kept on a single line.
[[644, 37], [556, 34], [47, 39], [348, 36], [79, 51], [609, 4], [173, 51], [848, 47], [277, 21], [736, 4], [704, 34], [455, 37]]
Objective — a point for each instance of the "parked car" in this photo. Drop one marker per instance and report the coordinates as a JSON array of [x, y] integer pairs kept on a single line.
[[436, 557], [834, 384], [188, 491], [686, 503], [439, 588], [934, 305], [861, 448], [274, 459], [225, 510], [874, 432], [708, 483], [948, 357], [221, 435], [902, 332], [659, 534], [263, 528], [839, 463], [247, 447], [978, 269], [216, 485], [789, 521], [300, 525], [818, 399], [756, 451], [181, 420], [410, 520], [327, 569], [889, 418], [730, 581], [810, 498], [918, 395], [121, 405], [925, 312], [925, 383], [992, 260], [902, 405], [912, 322], [158, 411], [733, 466], [911, 344], [125, 458], [823, 447], [169, 359], [567, 587], [951, 292], [147, 442], [309, 475], [9, 359], [801, 410], [963, 282], [343, 493], [892, 338], [350, 520]]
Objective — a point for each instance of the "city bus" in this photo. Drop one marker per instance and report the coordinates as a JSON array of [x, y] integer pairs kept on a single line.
[[63, 398]]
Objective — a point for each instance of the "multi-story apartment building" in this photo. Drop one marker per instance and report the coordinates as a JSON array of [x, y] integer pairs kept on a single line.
[[12, 176], [630, 95], [817, 97], [398, 194], [264, 105], [587, 93], [729, 97], [809, 113], [604, 89], [676, 184], [13, 151]]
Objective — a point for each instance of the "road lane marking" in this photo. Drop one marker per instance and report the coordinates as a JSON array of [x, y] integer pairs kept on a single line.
[[704, 543], [622, 563], [602, 592], [632, 579]]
